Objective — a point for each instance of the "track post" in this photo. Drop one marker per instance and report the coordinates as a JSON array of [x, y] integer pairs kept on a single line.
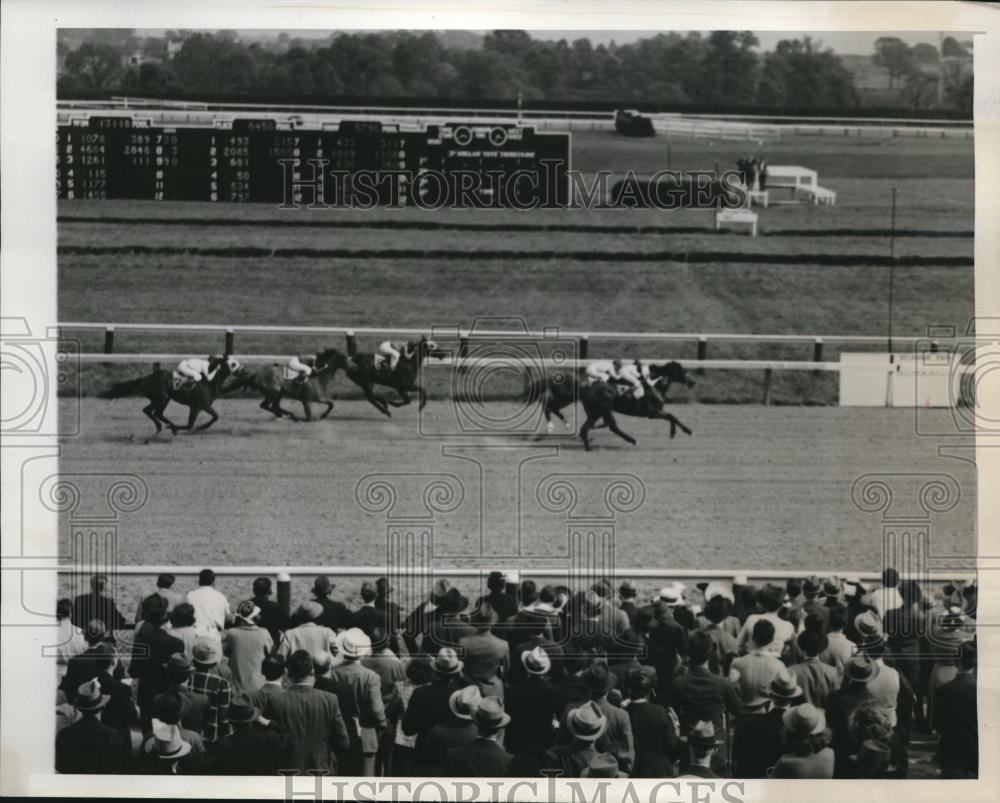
[[352, 343], [817, 352], [702, 351], [767, 386], [230, 338], [582, 346], [109, 340], [285, 593]]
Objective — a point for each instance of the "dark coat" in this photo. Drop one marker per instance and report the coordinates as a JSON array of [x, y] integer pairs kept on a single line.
[[428, 707], [152, 671], [839, 706], [481, 758], [553, 650], [90, 747], [335, 614], [88, 607], [272, 617], [503, 603], [531, 705], [756, 743], [655, 740], [702, 695], [368, 618], [572, 759], [257, 750], [433, 750], [570, 691], [318, 729], [956, 719]]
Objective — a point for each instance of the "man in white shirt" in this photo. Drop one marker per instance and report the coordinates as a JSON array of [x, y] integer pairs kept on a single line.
[[784, 631], [211, 608], [887, 598]]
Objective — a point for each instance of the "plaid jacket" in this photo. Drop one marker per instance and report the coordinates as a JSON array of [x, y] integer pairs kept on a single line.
[[217, 689]]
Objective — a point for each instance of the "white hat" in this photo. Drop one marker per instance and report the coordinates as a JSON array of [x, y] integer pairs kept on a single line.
[[672, 593], [719, 589], [354, 643]]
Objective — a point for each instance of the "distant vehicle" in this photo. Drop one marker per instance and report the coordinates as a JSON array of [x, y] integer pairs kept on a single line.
[[630, 123]]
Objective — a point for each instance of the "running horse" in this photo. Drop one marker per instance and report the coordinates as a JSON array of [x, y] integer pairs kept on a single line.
[[158, 388], [273, 383], [601, 400], [367, 370]]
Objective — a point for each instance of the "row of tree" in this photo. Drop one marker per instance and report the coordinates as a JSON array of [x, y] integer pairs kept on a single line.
[[929, 77], [722, 69]]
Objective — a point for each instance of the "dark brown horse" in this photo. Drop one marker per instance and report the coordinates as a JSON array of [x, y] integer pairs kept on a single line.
[[158, 388], [556, 394], [271, 381], [367, 370]]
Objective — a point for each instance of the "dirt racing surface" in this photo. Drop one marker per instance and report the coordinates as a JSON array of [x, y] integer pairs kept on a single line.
[[754, 487]]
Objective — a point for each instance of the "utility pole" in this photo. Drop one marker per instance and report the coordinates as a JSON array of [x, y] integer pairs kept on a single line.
[[892, 267]]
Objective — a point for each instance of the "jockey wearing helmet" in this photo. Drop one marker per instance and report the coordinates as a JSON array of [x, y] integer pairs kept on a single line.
[[617, 372], [395, 350], [194, 369]]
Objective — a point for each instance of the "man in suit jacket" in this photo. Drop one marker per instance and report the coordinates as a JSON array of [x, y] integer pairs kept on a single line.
[[366, 687], [498, 599], [536, 626], [313, 717], [617, 736], [97, 605], [273, 670], [459, 730], [272, 617], [308, 635], [367, 618], [418, 623], [816, 678], [257, 746], [487, 657], [449, 624], [87, 746], [429, 704], [195, 705], [151, 650], [530, 704], [335, 614], [956, 717], [585, 725], [483, 757], [393, 614]]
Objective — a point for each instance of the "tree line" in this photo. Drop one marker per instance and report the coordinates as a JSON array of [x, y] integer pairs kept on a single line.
[[721, 69]]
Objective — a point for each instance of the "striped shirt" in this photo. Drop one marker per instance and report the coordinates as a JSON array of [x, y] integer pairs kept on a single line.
[[753, 674], [404, 690]]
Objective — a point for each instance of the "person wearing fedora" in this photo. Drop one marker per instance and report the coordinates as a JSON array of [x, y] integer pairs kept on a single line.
[[88, 747], [806, 740], [815, 601], [319, 734], [257, 746], [418, 623], [756, 737], [654, 728], [627, 594], [392, 611], [617, 737], [716, 615], [369, 719], [246, 645], [206, 680], [585, 724], [536, 626], [400, 761], [529, 702], [702, 743], [858, 673], [816, 678], [309, 635], [429, 704], [180, 668], [390, 670], [166, 753], [839, 649], [956, 718], [80, 667], [449, 623], [151, 650], [487, 658], [169, 707], [334, 615], [498, 599], [603, 766], [483, 757], [458, 730], [272, 617]]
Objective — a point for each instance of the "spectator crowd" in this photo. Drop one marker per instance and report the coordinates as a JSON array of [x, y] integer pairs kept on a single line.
[[821, 678]]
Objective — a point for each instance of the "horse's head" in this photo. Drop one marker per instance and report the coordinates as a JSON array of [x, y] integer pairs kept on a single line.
[[331, 358], [425, 347], [672, 372], [232, 364]]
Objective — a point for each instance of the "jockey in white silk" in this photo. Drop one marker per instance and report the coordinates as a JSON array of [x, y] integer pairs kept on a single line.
[[193, 369], [303, 367], [618, 372], [396, 350]]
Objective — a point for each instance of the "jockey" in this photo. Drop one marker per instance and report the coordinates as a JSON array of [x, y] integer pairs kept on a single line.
[[302, 366], [396, 350], [614, 371], [194, 369]]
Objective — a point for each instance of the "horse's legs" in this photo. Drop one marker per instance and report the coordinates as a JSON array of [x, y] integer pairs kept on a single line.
[[212, 420], [675, 424], [376, 400], [402, 395], [329, 408], [587, 426], [307, 408], [149, 410], [611, 424]]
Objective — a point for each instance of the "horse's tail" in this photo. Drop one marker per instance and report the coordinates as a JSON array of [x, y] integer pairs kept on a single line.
[[120, 390]]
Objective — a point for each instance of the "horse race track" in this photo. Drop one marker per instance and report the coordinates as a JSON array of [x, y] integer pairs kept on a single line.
[[753, 488]]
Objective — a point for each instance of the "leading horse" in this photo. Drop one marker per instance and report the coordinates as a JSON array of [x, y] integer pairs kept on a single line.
[[158, 388], [367, 370]]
